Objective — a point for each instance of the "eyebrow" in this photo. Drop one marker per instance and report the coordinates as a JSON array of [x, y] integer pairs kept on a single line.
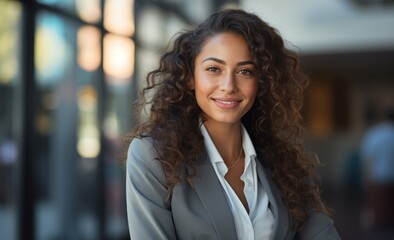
[[223, 62]]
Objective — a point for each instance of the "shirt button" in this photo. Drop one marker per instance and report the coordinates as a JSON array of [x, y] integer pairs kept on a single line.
[[249, 184]]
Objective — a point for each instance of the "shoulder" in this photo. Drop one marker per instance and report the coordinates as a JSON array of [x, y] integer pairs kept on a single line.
[[141, 146], [141, 151], [319, 226], [142, 159]]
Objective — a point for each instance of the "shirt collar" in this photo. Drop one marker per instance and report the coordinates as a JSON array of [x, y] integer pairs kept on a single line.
[[214, 154]]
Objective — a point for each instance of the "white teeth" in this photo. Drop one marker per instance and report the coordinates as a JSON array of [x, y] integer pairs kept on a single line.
[[227, 102]]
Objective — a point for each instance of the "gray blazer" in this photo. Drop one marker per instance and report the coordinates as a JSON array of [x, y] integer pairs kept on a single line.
[[201, 211]]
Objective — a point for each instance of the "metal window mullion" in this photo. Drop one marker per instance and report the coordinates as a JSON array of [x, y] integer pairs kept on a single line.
[[26, 186]]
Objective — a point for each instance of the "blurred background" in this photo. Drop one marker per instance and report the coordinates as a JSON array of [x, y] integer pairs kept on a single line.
[[70, 69]]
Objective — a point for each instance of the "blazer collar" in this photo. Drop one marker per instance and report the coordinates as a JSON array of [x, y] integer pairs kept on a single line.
[[281, 214], [212, 196]]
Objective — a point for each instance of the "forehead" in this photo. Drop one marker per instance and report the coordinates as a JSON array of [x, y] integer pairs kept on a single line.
[[226, 45]]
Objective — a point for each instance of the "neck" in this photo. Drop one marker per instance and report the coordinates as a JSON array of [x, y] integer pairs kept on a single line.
[[227, 139]]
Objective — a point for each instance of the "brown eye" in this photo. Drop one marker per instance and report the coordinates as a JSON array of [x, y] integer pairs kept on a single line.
[[245, 72], [213, 69]]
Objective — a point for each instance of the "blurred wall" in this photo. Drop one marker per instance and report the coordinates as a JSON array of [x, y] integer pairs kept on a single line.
[[347, 49], [329, 25]]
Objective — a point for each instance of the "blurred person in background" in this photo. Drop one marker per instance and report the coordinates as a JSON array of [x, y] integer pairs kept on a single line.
[[221, 154], [377, 152]]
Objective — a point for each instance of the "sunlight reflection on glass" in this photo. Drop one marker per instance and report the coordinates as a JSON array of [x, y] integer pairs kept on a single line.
[[111, 126], [89, 10], [118, 58], [52, 52], [89, 48], [9, 20], [88, 144], [118, 16]]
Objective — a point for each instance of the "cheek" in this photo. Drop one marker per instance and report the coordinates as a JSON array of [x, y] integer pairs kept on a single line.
[[202, 84], [251, 90], [201, 90]]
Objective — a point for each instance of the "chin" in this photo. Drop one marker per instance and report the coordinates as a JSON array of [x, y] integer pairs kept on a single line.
[[225, 119]]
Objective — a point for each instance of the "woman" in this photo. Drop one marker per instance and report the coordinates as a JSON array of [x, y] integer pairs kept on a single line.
[[220, 156]]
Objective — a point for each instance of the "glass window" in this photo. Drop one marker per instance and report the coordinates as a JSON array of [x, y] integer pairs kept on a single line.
[[79, 104], [79, 150], [88, 10], [67, 59], [10, 115], [118, 59], [68, 5], [119, 16], [118, 67], [151, 36]]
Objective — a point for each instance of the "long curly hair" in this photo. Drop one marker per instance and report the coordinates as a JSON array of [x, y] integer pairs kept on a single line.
[[273, 122]]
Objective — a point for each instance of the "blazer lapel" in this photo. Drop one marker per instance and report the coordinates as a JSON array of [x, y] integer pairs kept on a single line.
[[212, 196], [280, 212]]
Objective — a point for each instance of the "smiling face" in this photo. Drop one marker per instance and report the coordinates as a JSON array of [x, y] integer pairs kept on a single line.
[[225, 79]]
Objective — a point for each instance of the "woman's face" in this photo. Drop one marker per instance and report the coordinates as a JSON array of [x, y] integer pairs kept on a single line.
[[225, 78]]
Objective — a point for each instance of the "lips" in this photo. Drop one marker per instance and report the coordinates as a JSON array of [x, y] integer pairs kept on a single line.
[[226, 103]]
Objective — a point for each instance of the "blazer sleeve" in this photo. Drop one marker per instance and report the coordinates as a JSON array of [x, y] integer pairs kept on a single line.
[[318, 227], [148, 216]]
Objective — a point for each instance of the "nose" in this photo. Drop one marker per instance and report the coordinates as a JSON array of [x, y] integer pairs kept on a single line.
[[229, 84]]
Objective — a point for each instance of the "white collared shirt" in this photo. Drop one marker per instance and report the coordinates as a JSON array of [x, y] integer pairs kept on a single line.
[[259, 223]]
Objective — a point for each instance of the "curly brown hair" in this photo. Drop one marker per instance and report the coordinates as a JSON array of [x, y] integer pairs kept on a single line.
[[273, 122]]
